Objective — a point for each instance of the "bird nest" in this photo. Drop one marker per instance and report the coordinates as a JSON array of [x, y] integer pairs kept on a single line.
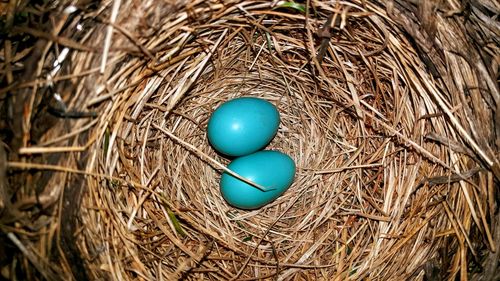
[[388, 111]]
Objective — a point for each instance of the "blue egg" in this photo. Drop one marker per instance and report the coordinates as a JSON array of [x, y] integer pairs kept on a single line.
[[270, 169], [242, 126]]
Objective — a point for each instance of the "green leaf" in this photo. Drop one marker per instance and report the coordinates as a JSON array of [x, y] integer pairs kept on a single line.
[[175, 222], [268, 39], [106, 143], [171, 215], [115, 183], [292, 5], [231, 216], [248, 238]]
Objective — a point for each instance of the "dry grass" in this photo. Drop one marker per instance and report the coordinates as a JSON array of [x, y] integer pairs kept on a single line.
[[394, 141]]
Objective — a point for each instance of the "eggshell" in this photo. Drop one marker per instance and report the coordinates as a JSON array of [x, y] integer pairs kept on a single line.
[[270, 169], [242, 126]]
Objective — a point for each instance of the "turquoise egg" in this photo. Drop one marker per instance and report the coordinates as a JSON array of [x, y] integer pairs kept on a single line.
[[242, 126], [270, 169]]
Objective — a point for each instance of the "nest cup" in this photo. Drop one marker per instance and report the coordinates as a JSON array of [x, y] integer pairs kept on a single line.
[[371, 118]]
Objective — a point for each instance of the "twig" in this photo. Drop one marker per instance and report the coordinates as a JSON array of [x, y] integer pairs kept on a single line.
[[132, 39], [210, 159]]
